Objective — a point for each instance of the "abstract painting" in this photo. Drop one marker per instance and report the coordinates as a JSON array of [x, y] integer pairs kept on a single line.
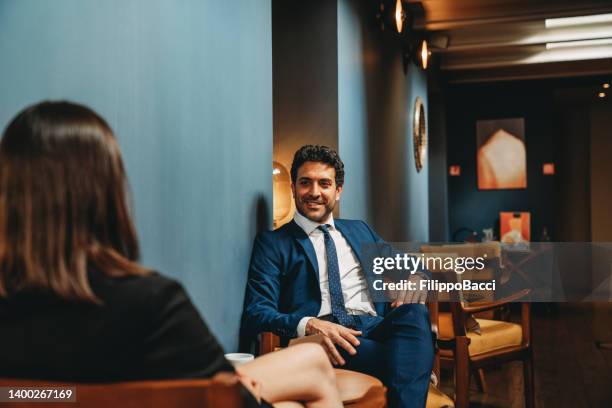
[[501, 154]]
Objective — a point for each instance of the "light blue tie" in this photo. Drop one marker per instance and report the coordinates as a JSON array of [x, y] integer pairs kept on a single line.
[[333, 275]]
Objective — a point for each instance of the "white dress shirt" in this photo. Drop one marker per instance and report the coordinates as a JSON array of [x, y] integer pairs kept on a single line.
[[354, 286]]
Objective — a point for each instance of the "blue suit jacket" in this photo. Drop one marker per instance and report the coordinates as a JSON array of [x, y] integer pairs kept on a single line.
[[283, 283]]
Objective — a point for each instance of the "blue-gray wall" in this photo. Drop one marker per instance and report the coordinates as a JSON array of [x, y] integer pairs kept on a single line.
[[437, 152], [375, 105], [304, 59], [187, 87], [353, 118]]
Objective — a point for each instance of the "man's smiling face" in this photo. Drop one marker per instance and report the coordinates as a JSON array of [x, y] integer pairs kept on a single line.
[[315, 191]]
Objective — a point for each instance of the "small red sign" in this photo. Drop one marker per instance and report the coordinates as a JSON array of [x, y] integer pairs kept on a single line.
[[548, 169], [454, 170]]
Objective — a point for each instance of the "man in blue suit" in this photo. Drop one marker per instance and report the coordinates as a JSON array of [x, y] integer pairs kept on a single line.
[[307, 278]]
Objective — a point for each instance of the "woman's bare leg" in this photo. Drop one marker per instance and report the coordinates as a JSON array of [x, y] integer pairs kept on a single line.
[[298, 373]]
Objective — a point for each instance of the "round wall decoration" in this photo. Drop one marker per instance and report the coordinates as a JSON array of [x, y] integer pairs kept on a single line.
[[419, 134]]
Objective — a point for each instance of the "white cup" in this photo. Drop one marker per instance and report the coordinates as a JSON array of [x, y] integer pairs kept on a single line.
[[238, 359]]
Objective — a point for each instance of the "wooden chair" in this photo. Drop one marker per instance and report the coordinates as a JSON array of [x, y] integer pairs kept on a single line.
[[151, 394], [359, 390], [435, 397], [499, 341]]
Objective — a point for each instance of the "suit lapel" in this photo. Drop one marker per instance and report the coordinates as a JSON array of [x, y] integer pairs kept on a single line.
[[350, 238], [303, 240]]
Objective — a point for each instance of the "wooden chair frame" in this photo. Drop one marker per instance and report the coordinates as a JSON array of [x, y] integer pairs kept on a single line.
[[464, 364], [461, 362], [134, 394], [269, 342]]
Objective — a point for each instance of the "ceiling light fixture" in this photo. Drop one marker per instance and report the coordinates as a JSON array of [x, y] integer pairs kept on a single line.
[[570, 54], [580, 20], [580, 43]]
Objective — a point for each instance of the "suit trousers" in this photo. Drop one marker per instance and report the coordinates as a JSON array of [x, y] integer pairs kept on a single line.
[[398, 350]]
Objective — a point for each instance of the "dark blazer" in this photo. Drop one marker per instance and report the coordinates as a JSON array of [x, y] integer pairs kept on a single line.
[[147, 328], [283, 283]]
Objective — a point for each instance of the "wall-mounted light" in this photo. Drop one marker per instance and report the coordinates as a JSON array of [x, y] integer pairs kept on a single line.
[[416, 49], [424, 54], [601, 94], [393, 13], [400, 16], [282, 201], [606, 85]]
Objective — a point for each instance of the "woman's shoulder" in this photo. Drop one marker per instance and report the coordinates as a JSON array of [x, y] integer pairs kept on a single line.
[[152, 287]]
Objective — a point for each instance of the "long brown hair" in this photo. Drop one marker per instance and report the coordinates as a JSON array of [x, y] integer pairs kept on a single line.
[[63, 204]]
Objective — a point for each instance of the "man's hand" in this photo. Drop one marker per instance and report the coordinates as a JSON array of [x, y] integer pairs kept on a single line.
[[334, 334], [411, 296]]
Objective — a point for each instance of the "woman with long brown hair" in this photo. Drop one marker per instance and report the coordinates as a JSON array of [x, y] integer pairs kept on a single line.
[[75, 305]]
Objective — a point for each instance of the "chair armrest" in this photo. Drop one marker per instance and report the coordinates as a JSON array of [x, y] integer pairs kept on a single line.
[[446, 344], [477, 307], [356, 389], [268, 342], [526, 323], [188, 393]]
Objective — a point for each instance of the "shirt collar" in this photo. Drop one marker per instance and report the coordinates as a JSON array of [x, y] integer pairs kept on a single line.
[[310, 226]]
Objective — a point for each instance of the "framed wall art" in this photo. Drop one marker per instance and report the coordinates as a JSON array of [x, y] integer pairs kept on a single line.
[[514, 227], [501, 154]]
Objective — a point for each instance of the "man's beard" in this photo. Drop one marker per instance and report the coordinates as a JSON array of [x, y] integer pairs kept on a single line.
[[329, 208]]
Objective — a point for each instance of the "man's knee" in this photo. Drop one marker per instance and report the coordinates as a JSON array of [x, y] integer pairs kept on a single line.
[[413, 313], [414, 318]]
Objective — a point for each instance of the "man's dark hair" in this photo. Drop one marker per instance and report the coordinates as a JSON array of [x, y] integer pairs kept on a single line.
[[316, 153]]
